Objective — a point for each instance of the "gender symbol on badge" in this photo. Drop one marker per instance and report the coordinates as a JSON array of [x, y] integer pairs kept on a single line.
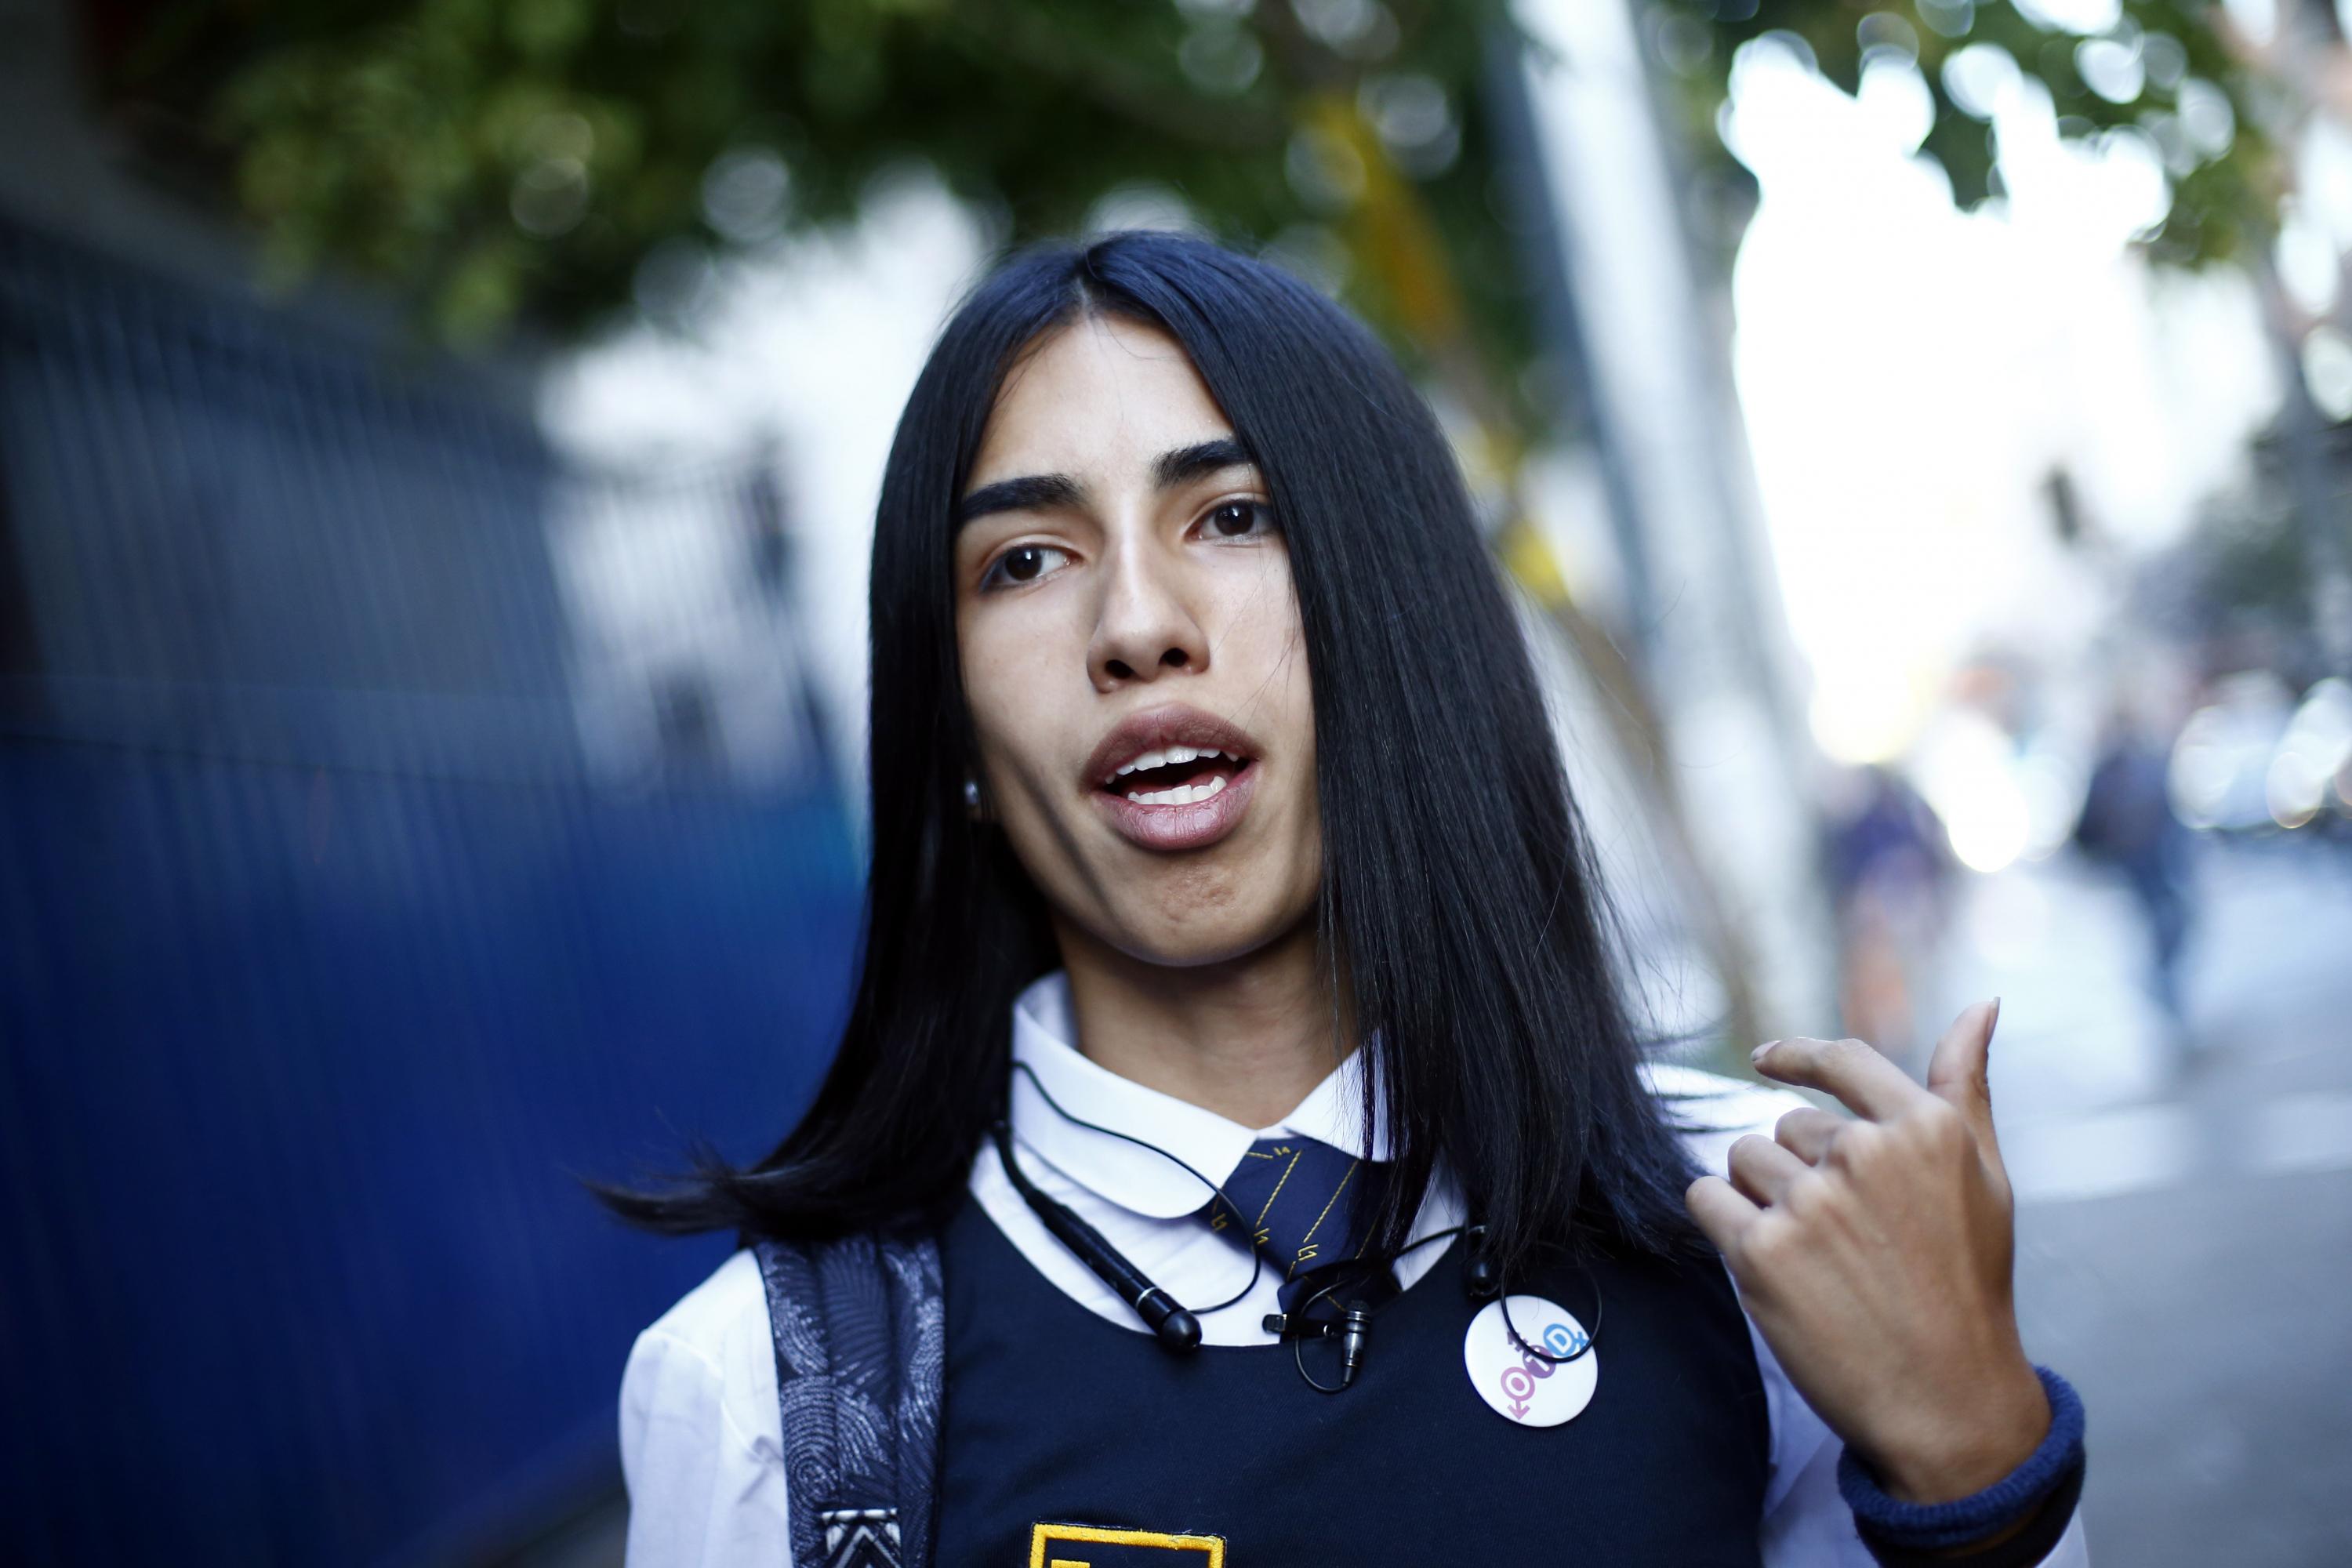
[[1523, 1386]]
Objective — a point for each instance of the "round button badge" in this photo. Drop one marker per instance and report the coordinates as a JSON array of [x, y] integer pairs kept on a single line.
[[1521, 1385]]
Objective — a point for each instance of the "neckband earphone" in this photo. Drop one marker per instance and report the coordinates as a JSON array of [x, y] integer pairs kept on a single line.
[[1175, 1327], [1179, 1329]]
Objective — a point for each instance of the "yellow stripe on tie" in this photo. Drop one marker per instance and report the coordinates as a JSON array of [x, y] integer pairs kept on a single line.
[[1278, 1188], [1329, 1201]]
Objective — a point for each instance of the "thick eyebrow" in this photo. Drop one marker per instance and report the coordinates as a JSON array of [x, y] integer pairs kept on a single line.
[[1172, 468], [1039, 492], [1031, 492]]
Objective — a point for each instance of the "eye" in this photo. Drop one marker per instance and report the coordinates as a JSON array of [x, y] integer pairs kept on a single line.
[[1023, 563], [1238, 520]]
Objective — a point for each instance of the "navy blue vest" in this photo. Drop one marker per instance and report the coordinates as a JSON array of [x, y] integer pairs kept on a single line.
[[1055, 1415]]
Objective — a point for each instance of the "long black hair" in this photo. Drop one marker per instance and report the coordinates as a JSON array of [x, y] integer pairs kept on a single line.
[[1461, 915]]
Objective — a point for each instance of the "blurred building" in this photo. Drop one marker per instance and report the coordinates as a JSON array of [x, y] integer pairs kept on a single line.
[[1690, 573], [400, 821]]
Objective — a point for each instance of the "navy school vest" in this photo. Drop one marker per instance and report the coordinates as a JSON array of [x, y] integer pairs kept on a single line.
[[1056, 1418]]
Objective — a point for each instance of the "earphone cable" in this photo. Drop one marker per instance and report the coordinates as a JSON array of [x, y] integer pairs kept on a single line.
[[1258, 1261]]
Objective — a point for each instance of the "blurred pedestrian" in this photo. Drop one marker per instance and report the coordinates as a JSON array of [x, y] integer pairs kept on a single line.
[[2127, 826], [1890, 873]]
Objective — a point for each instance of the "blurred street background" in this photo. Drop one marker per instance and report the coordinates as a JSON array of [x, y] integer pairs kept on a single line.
[[439, 447]]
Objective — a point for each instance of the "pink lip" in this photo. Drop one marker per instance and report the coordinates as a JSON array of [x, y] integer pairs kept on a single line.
[[1193, 826], [1172, 828]]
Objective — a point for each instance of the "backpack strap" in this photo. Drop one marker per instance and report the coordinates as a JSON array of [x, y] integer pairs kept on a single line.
[[859, 1329]]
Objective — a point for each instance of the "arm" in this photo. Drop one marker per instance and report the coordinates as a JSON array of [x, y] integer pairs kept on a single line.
[[1874, 1257], [702, 1491], [1806, 1523]]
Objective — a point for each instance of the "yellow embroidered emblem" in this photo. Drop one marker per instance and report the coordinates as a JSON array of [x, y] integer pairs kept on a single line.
[[1098, 1547]]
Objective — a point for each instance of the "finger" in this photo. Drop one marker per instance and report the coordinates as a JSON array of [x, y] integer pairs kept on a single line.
[[1807, 1132], [1867, 1082], [1763, 1170], [1720, 1211], [1960, 1070]]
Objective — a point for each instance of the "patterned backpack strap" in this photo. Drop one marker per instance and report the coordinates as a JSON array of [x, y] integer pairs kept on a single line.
[[859, 1330]]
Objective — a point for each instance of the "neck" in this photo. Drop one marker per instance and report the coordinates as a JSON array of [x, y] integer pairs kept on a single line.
[[1248, 1037]]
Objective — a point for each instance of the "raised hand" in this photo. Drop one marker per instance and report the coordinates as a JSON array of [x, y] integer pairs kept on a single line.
[[1875, 1254]]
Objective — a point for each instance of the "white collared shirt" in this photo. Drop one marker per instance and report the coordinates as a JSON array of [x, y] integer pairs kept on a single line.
[[701, 1440]]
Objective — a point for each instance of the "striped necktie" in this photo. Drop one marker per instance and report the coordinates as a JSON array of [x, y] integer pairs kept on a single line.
[[1306, 1206]]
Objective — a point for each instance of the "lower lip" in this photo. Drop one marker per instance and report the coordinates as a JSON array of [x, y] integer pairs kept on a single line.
[[1193, 826]]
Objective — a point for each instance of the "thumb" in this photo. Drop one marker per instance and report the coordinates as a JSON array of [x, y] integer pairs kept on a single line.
[[1958, 1072]]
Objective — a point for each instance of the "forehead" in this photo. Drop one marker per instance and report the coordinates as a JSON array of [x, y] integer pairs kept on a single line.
[[1101, 396]]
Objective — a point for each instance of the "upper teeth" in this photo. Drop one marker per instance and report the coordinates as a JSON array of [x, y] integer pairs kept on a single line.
[[1172, 755]]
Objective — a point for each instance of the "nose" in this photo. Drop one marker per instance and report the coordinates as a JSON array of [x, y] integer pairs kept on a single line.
[[1145, 628]]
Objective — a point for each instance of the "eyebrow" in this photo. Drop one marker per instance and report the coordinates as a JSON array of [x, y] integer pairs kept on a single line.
[[1038, 492]]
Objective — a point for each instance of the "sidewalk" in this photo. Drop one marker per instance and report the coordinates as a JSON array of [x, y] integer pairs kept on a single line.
[[2185, 1237]]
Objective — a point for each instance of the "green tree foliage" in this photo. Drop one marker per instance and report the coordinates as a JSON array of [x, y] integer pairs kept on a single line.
[[2159, 71], [504, 156], [551, 159]]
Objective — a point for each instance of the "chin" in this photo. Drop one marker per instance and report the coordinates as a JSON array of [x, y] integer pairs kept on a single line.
[[1206, 931]]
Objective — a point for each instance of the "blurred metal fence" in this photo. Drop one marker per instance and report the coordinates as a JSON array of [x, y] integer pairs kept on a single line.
[[329, 951]]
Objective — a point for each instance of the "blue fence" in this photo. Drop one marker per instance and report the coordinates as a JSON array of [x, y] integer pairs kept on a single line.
[[325, 969]]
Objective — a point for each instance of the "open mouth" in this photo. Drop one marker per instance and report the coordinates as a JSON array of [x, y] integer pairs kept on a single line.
[[1174, 778], [1175, 775]]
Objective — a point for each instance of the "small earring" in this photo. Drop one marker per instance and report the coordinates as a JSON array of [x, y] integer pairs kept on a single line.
[[971, 793]]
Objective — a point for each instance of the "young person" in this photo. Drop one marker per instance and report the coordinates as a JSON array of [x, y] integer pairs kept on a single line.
[[1227, 897]]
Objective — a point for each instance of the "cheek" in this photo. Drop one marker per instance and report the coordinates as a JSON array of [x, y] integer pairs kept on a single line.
[[1017, 687], [1264, 649], [992, 674]]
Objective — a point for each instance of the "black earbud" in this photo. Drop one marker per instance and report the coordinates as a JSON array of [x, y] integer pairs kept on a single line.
[[1352, 1328], [1481, 1276], [1178, 1328], [1483, 1279]]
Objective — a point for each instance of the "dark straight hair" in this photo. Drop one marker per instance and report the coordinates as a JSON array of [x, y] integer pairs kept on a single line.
[[1461, 916]]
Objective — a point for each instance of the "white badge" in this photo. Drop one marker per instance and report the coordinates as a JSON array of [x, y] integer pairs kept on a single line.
[[1523, 1386]]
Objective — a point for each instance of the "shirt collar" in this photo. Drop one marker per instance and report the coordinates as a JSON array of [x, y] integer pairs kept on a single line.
[[1132, 1176]]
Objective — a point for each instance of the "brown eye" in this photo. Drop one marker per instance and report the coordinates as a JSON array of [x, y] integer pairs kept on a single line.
[[1023, 563], [1236, 519]]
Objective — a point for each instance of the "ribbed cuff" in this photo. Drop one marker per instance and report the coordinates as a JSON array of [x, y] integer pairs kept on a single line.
[[1942, 1526]]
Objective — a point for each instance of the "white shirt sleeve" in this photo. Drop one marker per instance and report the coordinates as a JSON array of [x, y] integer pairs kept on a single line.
[[1806, 1523], [699, 1437]]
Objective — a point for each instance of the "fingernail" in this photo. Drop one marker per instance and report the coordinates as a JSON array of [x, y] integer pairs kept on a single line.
[[1993, 1021], [1756, 1057]]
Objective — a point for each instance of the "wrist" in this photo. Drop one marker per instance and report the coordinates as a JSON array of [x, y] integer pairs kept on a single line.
[[1961, 1454], [2010, 1523]]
